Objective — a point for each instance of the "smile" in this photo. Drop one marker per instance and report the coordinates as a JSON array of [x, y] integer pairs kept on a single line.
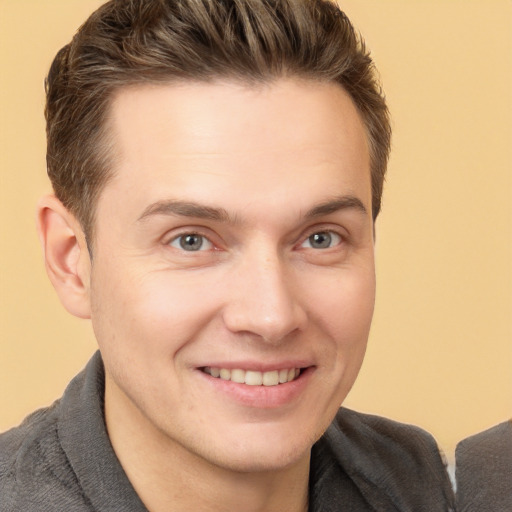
[[254, 378]]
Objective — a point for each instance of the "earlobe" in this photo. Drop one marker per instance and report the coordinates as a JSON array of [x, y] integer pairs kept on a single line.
[[65, 253]]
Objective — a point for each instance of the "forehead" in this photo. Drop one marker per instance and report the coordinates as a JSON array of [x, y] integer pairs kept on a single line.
[[198, 139], [196, 112]]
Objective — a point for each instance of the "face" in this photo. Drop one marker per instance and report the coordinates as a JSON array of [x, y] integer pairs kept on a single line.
[[232, 283]]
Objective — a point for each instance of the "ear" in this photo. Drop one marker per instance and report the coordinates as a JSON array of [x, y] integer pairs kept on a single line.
[[66, 256]]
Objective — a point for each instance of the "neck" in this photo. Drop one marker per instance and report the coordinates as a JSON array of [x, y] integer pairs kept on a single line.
[[167, 477]]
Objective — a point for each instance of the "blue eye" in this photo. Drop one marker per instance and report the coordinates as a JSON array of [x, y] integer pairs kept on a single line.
[[191, 242], [322, 240]]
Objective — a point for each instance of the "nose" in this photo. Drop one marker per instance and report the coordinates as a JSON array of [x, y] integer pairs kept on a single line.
[[264, 299]]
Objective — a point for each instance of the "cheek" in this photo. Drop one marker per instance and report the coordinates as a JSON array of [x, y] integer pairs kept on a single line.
[[344, 305], [147, 311], [344, 312], [142, 320]]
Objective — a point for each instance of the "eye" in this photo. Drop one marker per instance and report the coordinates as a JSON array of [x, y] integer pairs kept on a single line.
[[191, 242], [322, 240]]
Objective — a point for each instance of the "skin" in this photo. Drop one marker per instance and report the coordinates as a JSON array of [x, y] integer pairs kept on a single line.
[[254, 172]]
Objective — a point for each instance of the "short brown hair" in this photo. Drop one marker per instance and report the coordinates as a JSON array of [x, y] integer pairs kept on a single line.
[[128, 42]]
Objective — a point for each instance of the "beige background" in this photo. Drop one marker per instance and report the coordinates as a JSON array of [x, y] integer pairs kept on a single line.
[[440, 353]]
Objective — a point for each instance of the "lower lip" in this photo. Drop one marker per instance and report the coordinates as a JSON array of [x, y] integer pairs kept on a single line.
[[261, 397]]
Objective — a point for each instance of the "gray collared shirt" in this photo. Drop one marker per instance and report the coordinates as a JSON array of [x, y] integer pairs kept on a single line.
[[60, 459]]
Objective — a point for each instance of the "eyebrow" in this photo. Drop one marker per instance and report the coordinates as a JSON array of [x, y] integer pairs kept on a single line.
[[199, 211], [335, 205], [186, 209]]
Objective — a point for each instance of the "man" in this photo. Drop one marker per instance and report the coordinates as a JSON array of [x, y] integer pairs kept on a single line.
[[218, 170]]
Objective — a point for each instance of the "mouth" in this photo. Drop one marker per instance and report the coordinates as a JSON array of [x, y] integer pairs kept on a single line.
[[254, 378]]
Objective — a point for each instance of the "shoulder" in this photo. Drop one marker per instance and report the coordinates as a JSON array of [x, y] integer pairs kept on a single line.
[[387, 437], [495, 441], [33, 467], [483, 467], [25, 442], [391, 463]]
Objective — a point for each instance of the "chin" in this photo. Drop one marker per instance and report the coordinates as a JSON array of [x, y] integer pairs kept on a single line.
[[251, 462], [261, 454]]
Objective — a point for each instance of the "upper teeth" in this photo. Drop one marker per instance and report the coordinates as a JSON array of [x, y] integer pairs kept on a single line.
[[252, 378]]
